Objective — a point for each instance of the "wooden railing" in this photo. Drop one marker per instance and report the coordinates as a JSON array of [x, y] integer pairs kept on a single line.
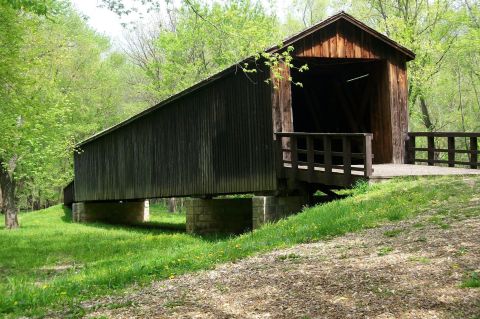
[[442, 148], [327, 158]]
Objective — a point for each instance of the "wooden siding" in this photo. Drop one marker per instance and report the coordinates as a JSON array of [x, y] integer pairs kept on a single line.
[[398, 88], [282, 102], [344, 40], [215, 140]]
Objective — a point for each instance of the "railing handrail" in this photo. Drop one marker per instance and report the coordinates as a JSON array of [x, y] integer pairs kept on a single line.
[[287, 143], [290, 134], [432, 150], [444, 134]]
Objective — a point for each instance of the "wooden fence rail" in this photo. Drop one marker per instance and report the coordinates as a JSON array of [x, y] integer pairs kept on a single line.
[[433, 151], [327, 158]]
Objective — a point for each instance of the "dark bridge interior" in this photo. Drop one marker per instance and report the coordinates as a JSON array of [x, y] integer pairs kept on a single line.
[[342, 96]]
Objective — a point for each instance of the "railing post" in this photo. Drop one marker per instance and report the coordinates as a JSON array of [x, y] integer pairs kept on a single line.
[[347, 157], [431, 150], [474, 152], [410, 149], [451, 151], [294, 155], [368, 158], [310, 157], [279, 156], [327, 157]]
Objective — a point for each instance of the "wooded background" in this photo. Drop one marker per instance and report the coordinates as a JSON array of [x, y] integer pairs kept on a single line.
[[60, 81]]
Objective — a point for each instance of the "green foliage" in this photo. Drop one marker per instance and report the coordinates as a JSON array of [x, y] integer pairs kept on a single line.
[[60, 84], [277, 62], [392, 233], [361, 187], [204, 39], [472, 280], [40, 7], [51, 262], [384, 251]]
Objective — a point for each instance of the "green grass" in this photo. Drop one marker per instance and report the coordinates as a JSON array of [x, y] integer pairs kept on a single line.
[[383, 251], [392, 233], [472, 280], [53, 264]]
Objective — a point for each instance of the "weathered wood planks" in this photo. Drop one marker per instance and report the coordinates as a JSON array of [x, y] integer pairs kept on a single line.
[[218, 140]]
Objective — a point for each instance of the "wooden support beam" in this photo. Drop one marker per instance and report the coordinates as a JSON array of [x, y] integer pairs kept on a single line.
[[367, 150], [410, 151], [310, 157], [431, 150], [279, 157], [347, 157], [327, 148], [474, 152], [294, 155], [451, 151]]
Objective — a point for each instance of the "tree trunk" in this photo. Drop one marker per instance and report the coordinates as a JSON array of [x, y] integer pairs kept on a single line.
[[427, 121], [7, 184]]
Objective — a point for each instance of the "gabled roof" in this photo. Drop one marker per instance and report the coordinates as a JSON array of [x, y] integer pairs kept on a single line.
[[234, 68], [345, 16]]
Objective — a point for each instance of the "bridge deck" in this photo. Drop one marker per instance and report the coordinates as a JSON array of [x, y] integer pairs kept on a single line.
[[386, 171], [380, 172]]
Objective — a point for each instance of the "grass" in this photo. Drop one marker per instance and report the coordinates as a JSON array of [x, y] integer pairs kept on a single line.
[[392, 233], [383, 251], [53, 264], [472, 280]]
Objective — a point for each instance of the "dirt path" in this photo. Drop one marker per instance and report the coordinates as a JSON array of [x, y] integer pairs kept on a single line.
[[411, 269]]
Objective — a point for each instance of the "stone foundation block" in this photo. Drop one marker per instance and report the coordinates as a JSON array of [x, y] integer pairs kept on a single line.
[[111, 212], [272, 208], [232, 216]]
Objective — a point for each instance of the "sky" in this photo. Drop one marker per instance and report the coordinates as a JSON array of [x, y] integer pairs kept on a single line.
[[101, 19], [108, 23]]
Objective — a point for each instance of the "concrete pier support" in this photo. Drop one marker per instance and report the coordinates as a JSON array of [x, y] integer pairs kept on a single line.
[[235, 216], [205, 216], [111, 212], [273, 208]]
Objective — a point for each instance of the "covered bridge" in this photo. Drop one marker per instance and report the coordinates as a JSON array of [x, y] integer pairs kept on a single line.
[[233, 133]]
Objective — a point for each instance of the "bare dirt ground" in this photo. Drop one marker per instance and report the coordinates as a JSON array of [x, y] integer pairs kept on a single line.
[[409, 269]]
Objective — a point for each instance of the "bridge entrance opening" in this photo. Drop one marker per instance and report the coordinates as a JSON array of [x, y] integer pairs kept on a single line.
[[343, 96]]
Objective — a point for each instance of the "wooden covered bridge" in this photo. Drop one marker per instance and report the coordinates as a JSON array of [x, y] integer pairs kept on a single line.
[[234, 133]]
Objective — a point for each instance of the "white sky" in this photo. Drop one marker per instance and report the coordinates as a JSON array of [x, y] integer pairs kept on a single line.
[[101, 19], [108, 23]]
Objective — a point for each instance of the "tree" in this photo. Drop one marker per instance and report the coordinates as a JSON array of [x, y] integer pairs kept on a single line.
[[60, 83], [432, 30], [196, 40]]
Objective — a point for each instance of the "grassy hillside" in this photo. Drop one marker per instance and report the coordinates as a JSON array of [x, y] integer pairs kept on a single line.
[[51, 263]]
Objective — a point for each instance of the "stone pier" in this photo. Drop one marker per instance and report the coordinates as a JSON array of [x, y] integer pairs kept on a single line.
[[238, 215], [132, 212], [232, 216], [267, 209]]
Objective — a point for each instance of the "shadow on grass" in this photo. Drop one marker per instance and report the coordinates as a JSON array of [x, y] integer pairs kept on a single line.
[[159, 228], [147, 227], [67, 214]]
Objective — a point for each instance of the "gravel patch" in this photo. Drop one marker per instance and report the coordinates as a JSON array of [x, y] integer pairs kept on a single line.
[[409, 269]]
